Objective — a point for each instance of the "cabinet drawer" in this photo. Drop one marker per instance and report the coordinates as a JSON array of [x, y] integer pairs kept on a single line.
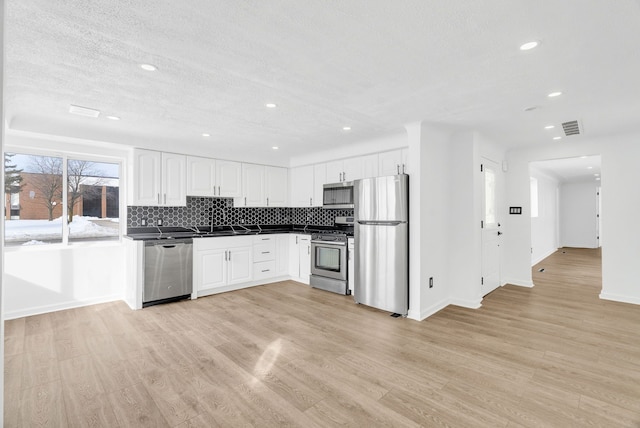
[[264, 270], [263, 252]]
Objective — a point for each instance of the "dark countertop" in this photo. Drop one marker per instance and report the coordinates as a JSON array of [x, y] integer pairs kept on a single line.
[[163, 232]]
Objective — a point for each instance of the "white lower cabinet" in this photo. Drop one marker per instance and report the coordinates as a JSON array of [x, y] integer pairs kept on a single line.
[[300, 257], [221, 263], [229, 263]]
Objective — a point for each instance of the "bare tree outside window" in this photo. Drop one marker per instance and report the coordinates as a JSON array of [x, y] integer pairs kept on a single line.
[[81, 173], [47, 181]]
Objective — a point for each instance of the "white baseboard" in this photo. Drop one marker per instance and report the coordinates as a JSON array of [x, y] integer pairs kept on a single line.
[[427, 312], [620, 298], [539, 259], [519, 282], [471, 304], [59, 307]]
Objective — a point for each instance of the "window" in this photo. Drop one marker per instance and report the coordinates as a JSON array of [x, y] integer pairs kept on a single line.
[[490, 201], [39, 209], [534, 196]]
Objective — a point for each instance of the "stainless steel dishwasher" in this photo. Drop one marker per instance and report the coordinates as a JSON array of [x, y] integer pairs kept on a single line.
[[168, 271]]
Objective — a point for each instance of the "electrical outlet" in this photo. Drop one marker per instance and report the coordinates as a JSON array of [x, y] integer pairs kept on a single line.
[[159, 223], [241, 221], [431, 282], [143, 222]]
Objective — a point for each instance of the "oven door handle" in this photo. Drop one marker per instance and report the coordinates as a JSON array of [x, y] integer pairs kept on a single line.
[[334, 243]]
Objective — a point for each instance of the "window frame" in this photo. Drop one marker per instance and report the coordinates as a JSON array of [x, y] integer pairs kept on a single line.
[[82, 156]]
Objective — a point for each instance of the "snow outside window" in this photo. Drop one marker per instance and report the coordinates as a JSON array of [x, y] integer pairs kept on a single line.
[[85, 209]]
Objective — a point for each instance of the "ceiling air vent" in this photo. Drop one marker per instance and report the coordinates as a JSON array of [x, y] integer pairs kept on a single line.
[[571, 128]]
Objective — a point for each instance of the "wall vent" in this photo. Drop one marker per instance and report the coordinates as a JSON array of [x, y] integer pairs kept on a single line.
[[571, 128]]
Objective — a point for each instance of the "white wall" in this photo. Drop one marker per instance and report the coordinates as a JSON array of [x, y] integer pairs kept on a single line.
[[620, 205], [381, 144], [464, 259], [51, 278], [578, 215], [2, 122], [544, 228]]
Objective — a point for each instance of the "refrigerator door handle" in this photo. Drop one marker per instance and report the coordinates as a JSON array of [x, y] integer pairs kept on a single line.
[[380, 223]]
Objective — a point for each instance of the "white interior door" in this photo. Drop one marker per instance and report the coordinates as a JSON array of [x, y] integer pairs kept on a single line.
[[490, 228]]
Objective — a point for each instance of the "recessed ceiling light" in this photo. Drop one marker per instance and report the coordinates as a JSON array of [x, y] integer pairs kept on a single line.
[[113, 117], [346, 128], [557, 138], [583, 157], [549, 127], [84, 111], [204, 134], [148, 67], [275, 148], [589, 167], [270, 105], [529, 45], [596, 174], [554, 94], [598, 179]]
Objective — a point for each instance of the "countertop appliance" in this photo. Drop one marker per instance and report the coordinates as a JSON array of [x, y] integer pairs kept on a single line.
[[382, 243], [168, 271], [338, 195], [329, 266]]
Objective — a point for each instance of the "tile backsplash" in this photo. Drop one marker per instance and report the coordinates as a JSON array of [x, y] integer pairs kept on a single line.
[[199, 212]]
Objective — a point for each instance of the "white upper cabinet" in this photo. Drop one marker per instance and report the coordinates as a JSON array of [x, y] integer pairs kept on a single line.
[[263, 186], [319, 179], [390, 163], [146, 177], [369, 166], [159, 179], [276, 188], [201, 176], [229, 179], [302, 186], [211, 177], [252, 185], [393, 162], [335, 171], [353, 169], [174, 174]]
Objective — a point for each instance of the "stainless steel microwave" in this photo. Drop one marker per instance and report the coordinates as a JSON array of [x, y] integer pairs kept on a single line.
[[338, 195]]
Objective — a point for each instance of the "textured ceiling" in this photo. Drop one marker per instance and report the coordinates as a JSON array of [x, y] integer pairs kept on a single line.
[[373, 65]]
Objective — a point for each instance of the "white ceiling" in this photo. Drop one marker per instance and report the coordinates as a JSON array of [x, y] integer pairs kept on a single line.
[[374, 65]]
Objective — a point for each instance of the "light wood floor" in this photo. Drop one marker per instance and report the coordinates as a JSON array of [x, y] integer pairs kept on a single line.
[[288, 355]]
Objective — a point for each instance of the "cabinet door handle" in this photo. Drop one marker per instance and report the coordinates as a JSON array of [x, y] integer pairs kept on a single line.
[[309, 250], [403, 165], [296, 240], [165, 199], [398, 167], [158, 198], [219, 191], [229, 255], [266, 270], [267, 201], [310, 202], [245, 201], [225, 255]]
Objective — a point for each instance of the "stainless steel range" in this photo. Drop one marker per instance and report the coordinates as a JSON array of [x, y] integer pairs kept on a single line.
[[329, 270]]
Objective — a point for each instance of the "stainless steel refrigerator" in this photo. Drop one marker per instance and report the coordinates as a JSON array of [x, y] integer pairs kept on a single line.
[[382, 243]]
